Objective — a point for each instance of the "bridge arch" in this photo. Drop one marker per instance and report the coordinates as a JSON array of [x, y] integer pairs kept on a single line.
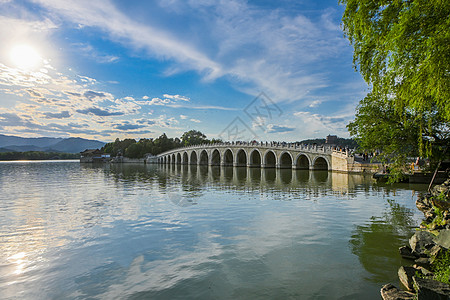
[[215, 158], [320, 163], [285, 160], [302, 162], [255, 158], [241, 158], [203, 158], [172, 159], [193, 158], [270, 159], [178, 158], [228, 157], [185, 159]]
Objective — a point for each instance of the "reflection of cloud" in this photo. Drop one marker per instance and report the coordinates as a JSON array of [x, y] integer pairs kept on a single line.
[[180, 200]]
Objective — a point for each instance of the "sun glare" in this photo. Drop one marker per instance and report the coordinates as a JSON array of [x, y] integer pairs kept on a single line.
[[25, 57]]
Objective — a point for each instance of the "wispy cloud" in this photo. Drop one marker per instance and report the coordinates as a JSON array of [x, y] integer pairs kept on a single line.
[[89, 51], [271, 128], [58, 115], [256, 49], [105, 16], [99, 112]]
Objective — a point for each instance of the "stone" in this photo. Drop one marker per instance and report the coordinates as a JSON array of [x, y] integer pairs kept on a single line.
[[423, 204], [436, 250], [405, 274], [405, 252], [423, 261], [421, 241], [424, 271], [443, 239], [440, 189], [442, 204], [431, 289], [390, 292]]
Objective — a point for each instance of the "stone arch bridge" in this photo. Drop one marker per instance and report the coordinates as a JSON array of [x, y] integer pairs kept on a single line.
[[262, 155]]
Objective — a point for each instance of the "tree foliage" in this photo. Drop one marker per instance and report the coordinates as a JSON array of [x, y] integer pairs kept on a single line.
[[402, 50], [132, 149], [193, 137]]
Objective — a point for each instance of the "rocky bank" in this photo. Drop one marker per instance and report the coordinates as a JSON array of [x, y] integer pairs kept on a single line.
[[428, 275]]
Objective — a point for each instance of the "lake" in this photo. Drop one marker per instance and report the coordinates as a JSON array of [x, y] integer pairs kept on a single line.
[[80, 231]]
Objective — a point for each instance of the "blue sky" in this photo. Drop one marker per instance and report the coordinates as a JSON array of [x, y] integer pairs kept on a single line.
[[265, 70]]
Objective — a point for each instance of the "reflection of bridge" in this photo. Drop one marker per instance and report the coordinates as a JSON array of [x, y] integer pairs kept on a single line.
[[264, 155]]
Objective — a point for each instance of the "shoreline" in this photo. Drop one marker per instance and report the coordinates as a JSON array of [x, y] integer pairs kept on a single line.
[[428, 250]]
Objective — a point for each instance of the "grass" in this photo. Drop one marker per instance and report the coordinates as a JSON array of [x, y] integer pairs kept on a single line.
[[441, 267]]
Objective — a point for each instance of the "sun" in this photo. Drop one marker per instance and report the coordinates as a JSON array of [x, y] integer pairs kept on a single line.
[[25, 57]]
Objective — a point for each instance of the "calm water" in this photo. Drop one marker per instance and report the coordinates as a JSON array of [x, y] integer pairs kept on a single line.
[[71, 231]]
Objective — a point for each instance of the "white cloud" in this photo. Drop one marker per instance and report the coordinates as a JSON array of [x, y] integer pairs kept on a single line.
[[257, 49], [315, 103], [316, 123], [176, 97], [195, 120], [90, 52], [105, 16], [183, 117]]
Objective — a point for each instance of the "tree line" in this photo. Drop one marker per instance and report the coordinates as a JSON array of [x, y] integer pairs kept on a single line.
[[340, 142], [137, 149]]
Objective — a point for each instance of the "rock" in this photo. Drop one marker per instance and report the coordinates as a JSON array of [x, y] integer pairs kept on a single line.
[[440, 189], [405, 274], [436, 250], [390, 292], [421, 241], [423, 261], [424, 271], [442, 204], [406, 252], [431, 289], [443, 239], [423, 204]]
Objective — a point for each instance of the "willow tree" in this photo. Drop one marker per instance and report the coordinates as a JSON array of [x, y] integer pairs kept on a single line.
[[402, 50]]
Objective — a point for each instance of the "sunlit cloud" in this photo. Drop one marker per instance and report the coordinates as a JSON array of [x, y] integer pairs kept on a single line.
[[238, 47]]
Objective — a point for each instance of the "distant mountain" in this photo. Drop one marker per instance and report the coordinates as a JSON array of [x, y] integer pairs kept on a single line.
[[72, 145], [46, 144], [10, 140]]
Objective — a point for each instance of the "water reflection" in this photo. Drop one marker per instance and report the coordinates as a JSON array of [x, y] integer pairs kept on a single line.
[[263, 179], [373, 242], [146, 231]]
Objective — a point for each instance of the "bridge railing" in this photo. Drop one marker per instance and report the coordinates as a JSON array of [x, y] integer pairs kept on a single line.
[[269, 145]]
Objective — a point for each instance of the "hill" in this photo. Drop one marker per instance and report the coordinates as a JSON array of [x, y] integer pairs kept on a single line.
[[46, 144]]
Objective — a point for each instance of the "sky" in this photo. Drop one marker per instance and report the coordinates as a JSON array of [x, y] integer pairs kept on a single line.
[[232, 69]]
